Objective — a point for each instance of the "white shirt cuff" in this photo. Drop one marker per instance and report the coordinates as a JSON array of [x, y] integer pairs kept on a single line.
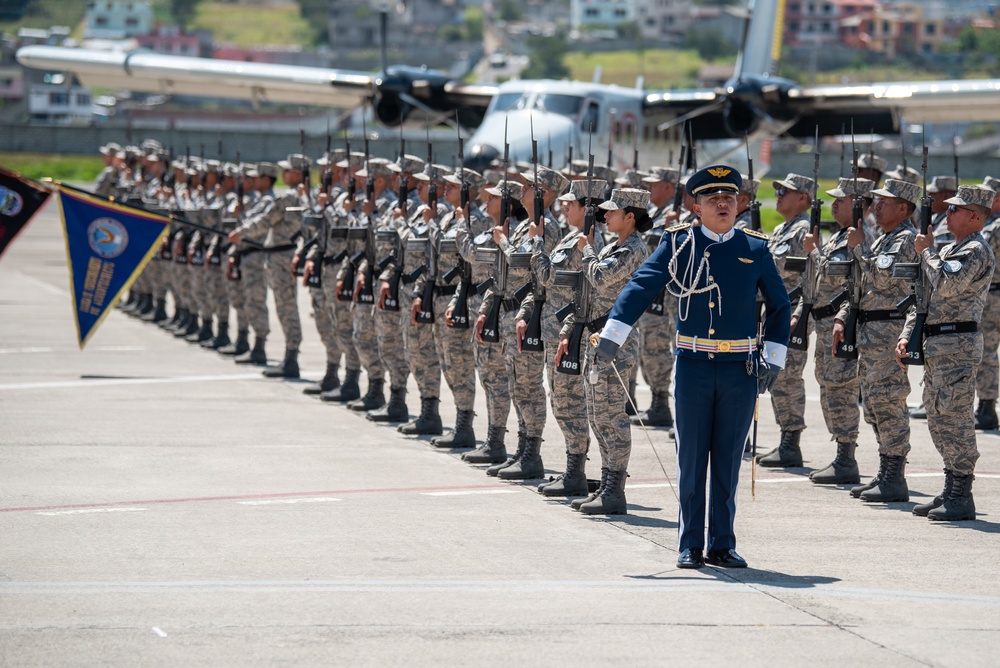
[[619, 331], [774, 353]]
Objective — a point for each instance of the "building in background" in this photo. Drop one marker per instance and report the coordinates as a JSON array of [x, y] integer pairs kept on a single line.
[[118, 19]]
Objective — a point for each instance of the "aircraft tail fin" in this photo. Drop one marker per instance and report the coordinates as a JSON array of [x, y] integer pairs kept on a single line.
[[761, 46]]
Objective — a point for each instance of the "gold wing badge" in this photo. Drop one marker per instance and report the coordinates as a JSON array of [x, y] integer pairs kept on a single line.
[[719, 172], [746, 260]]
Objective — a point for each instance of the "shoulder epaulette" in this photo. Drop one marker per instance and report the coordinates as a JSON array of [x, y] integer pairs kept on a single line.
[[755, 233], [677, 228]]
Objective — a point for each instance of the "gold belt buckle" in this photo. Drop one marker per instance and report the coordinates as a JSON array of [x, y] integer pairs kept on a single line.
[[724, 346]]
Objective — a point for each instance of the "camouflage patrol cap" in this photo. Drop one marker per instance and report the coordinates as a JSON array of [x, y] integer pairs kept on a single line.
[[943, 184], [377, 166], [845, 188], [661, 174], [578, 167], [331, 157], [472, 177], [295, 162], [549, 179], [973, 196], [356, 161], [602, 172], [900, 190], [632, 178], [230, 169], [433, 173], [513, 188], [798, 183], [410, 164], [249, 169], [872, 161], [907, 174], [267, 169], [992, 183], [578, 190], [111, 148], [623, 198], [749, 185], [523, 166], [213, 166], [151, 146], [492, 176]]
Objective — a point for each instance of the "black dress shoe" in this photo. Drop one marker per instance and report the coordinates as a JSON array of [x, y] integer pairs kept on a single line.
[[691, 558], [725, 559]]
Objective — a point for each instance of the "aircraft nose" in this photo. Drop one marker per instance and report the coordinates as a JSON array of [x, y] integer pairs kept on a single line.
[[479, 156]]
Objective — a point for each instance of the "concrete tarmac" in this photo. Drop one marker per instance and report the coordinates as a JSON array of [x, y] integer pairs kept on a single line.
[[161, 506]]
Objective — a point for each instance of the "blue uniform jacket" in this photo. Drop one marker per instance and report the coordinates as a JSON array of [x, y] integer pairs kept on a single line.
[[739, 266]]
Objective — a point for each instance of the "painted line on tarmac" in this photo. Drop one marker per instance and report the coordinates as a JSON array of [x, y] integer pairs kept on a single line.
[[267, 502], [471, 492], [81, 511], [48, 349], [664, 583], [106, 382], [240, 497]]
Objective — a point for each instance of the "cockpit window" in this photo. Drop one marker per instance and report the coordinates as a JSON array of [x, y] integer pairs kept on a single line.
[[509, 101], [565, 105]]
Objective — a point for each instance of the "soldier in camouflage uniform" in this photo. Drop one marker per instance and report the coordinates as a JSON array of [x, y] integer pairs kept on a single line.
[[658, 324], [958, 278], [788, 396], [107, 180], [837, 377], [216, 211], [987, 373], [748, 192], [567, 391], [884, 386], [608, 271], [243, 198]]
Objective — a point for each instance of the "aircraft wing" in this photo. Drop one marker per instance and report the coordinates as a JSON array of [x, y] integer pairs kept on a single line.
[[395, 93]]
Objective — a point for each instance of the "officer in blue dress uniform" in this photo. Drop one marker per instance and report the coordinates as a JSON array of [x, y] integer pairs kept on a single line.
[[714, 271]]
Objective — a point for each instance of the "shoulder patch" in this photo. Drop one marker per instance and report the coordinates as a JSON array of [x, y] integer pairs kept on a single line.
[[677, 227], [755, 233]]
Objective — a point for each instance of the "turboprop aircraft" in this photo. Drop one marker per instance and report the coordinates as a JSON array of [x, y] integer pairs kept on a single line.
[[753, 103]]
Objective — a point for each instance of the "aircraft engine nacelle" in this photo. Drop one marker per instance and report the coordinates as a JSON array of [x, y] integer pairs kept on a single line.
[[740, 117], [390, 110]]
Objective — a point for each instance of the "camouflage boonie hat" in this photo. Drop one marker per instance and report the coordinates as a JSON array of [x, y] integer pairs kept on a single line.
[[940, 184], [492, 176], [900, 190], [907, 174], [578, 190], [433, 173], [845, 188], [356, 161], [658, 174], [267, 169], [514, 188], [798, 183], [872, 161], [295, 161], [410, 164], [622, 198], [377, 166], [549, 179], [331, 157], [472, 177], [749, 185], [991, 183], [972, 195], [632, 179]]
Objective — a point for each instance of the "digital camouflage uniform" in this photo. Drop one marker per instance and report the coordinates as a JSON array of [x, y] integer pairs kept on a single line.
[[987, 377]]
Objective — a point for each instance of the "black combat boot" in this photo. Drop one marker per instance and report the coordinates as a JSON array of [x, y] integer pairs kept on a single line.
[[257, 355], [843, 470], [191, 327], [289, 367], [221, 339], [494, 470], [658, 415], [530, 464], [173, 320], [157, 315], [959, 505], [575, 504], [330, 381], [147, 306], [921, 509], [180, 322], [239, 346], [394, 411], [788, 453], [856, 491], [348, 391], [919, 413], [462, 436], [892, 487], [492, 451], [427, 423], [132, 303], [611, 500], [203, 334], [571, 483], [374, 398], [986, 415]]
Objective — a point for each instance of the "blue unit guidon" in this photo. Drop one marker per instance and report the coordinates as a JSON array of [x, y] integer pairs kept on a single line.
[[107, 246]]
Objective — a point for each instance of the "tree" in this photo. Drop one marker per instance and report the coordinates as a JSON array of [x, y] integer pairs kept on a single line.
[[546, 58], [709, 44], [183, 11], [510, 10]]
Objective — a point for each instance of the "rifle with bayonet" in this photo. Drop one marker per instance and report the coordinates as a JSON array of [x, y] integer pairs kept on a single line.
[[532, 340], [498, 280], [425, 315], [848, 348], [366, 295], [462, 270], [754, 203], [921, 294], [799, 338]]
